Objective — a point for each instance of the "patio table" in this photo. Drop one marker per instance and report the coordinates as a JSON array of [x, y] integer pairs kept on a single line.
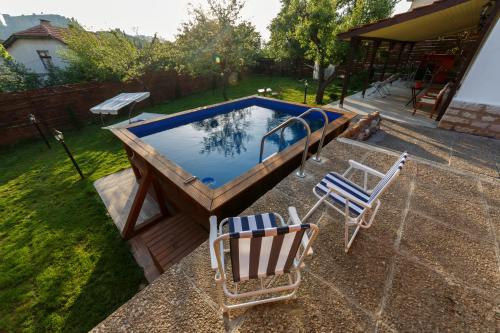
[[115, 104]]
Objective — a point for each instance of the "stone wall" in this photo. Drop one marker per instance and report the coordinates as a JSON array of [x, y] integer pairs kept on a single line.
[[473, 118]]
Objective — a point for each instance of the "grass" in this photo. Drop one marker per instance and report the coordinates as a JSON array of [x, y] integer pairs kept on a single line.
[[63, 265]]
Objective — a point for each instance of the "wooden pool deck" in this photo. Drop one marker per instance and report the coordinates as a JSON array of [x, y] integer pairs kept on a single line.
[[158, 247], [429, 263]]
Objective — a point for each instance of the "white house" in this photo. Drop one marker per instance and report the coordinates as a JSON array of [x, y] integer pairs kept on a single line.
[[38, 48]]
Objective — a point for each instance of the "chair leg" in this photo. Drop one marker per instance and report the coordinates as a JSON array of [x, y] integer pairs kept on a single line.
[[311, 211], [417, 105]]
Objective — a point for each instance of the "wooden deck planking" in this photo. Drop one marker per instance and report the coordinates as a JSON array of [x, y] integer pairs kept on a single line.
[[172, 239]]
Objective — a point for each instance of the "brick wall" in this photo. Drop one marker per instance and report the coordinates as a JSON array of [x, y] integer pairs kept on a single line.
[[67, 106], [478, 119]]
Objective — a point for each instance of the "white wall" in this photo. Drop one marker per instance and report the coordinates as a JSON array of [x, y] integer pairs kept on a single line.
[[482, 82], [24, 51]]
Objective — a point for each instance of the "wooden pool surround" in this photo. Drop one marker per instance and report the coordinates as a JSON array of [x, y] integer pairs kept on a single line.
[[165, 180]]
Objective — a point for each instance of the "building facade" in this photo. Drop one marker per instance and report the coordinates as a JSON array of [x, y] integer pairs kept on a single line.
[[38, 48]]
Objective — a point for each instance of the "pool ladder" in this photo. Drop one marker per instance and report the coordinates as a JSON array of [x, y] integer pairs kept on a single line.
[[301, 120]]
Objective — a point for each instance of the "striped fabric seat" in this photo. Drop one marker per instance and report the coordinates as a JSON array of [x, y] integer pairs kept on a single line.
[[335, 180], [252, 222], [259, 253]]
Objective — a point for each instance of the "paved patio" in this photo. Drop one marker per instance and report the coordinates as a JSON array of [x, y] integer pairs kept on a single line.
[[429, 263], [458, 150], [391, 107]]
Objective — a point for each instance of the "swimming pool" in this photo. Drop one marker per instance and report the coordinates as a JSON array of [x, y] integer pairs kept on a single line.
[[219, 148], [206, 160]]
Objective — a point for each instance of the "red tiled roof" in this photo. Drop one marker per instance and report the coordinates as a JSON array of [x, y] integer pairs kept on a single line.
[[43, 30]]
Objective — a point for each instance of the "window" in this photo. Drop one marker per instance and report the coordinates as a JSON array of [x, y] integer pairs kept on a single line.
[[45, 58]]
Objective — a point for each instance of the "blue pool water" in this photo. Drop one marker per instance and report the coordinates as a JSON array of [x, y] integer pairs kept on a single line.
[[222, 144]]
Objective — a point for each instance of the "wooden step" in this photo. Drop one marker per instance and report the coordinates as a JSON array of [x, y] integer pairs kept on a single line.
[[172, 239]]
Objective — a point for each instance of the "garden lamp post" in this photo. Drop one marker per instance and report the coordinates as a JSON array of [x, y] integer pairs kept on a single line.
[[34, 121], [60, 137], [305, 91]]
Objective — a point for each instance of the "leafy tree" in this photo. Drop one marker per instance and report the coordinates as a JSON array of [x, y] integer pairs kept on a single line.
[[308, 29], [217, 42], [15, 76], [111, 55], [101, 56]]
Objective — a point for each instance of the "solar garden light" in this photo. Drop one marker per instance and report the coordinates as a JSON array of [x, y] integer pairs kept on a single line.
[[305, 90], [34, 121], [60, 137]]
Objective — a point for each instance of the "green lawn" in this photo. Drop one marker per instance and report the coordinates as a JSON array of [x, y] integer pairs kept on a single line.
[[63, 265]]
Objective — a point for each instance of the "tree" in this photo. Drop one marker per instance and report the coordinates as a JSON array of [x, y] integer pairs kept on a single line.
[[101, 56], [308, 29], [217, 42], [15, 76]]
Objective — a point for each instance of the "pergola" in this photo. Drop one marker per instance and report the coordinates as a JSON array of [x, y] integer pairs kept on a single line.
[[429, 29]]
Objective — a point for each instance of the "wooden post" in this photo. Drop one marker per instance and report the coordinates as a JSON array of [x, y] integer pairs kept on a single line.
[[135, 209], [487, 25], [410, 50], [160, 199], [403, 45], [391, 46], [347, 76], [369, 77]]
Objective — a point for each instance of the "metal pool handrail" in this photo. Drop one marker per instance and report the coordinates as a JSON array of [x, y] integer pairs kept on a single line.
[[284, 124], [317, 158]]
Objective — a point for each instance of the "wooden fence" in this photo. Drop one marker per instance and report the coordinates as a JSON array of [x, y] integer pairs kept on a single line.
[[67, 106]]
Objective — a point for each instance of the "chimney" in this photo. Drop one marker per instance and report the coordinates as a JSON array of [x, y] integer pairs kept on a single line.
[[44, 22]]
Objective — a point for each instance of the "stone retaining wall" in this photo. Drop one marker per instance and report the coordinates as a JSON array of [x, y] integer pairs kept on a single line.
[[473, 118]]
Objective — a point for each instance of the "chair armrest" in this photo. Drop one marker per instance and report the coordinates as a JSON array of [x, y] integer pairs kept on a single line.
[[294, 217], [349, 197], [212, 237], [359, 166]]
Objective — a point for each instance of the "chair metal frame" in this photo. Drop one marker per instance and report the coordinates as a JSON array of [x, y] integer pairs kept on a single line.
[[381, 86], [217, 252], [370, 208]]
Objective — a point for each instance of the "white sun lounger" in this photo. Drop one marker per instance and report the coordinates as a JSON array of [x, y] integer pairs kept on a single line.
[[381, 86], [259, 248], [351, 200]]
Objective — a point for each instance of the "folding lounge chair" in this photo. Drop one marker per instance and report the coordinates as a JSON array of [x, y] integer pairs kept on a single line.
[[431, 98], [351, 200], [381, 86], [259, 248]]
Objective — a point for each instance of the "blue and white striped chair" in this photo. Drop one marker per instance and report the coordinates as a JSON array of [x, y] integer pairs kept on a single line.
[[259, 248], [350, 199]]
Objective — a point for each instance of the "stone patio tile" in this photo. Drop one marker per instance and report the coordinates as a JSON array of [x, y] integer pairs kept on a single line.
[[491, 192], [298, 194], [434, 135], [476, 154], [474, 163], [432, 177], [401, 139], [455, 208], [341, 151], [196, 266], [466, 258], [169, 304], [317, 308], [421, 300], [494, 213], [361, 273], [385, 226], [383, 162]]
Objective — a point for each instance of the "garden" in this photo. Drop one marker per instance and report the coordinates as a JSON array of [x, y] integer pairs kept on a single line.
[[64, 266]]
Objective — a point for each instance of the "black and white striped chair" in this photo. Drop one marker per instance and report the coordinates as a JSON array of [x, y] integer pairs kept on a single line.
[[259, 247], [350, 199]]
